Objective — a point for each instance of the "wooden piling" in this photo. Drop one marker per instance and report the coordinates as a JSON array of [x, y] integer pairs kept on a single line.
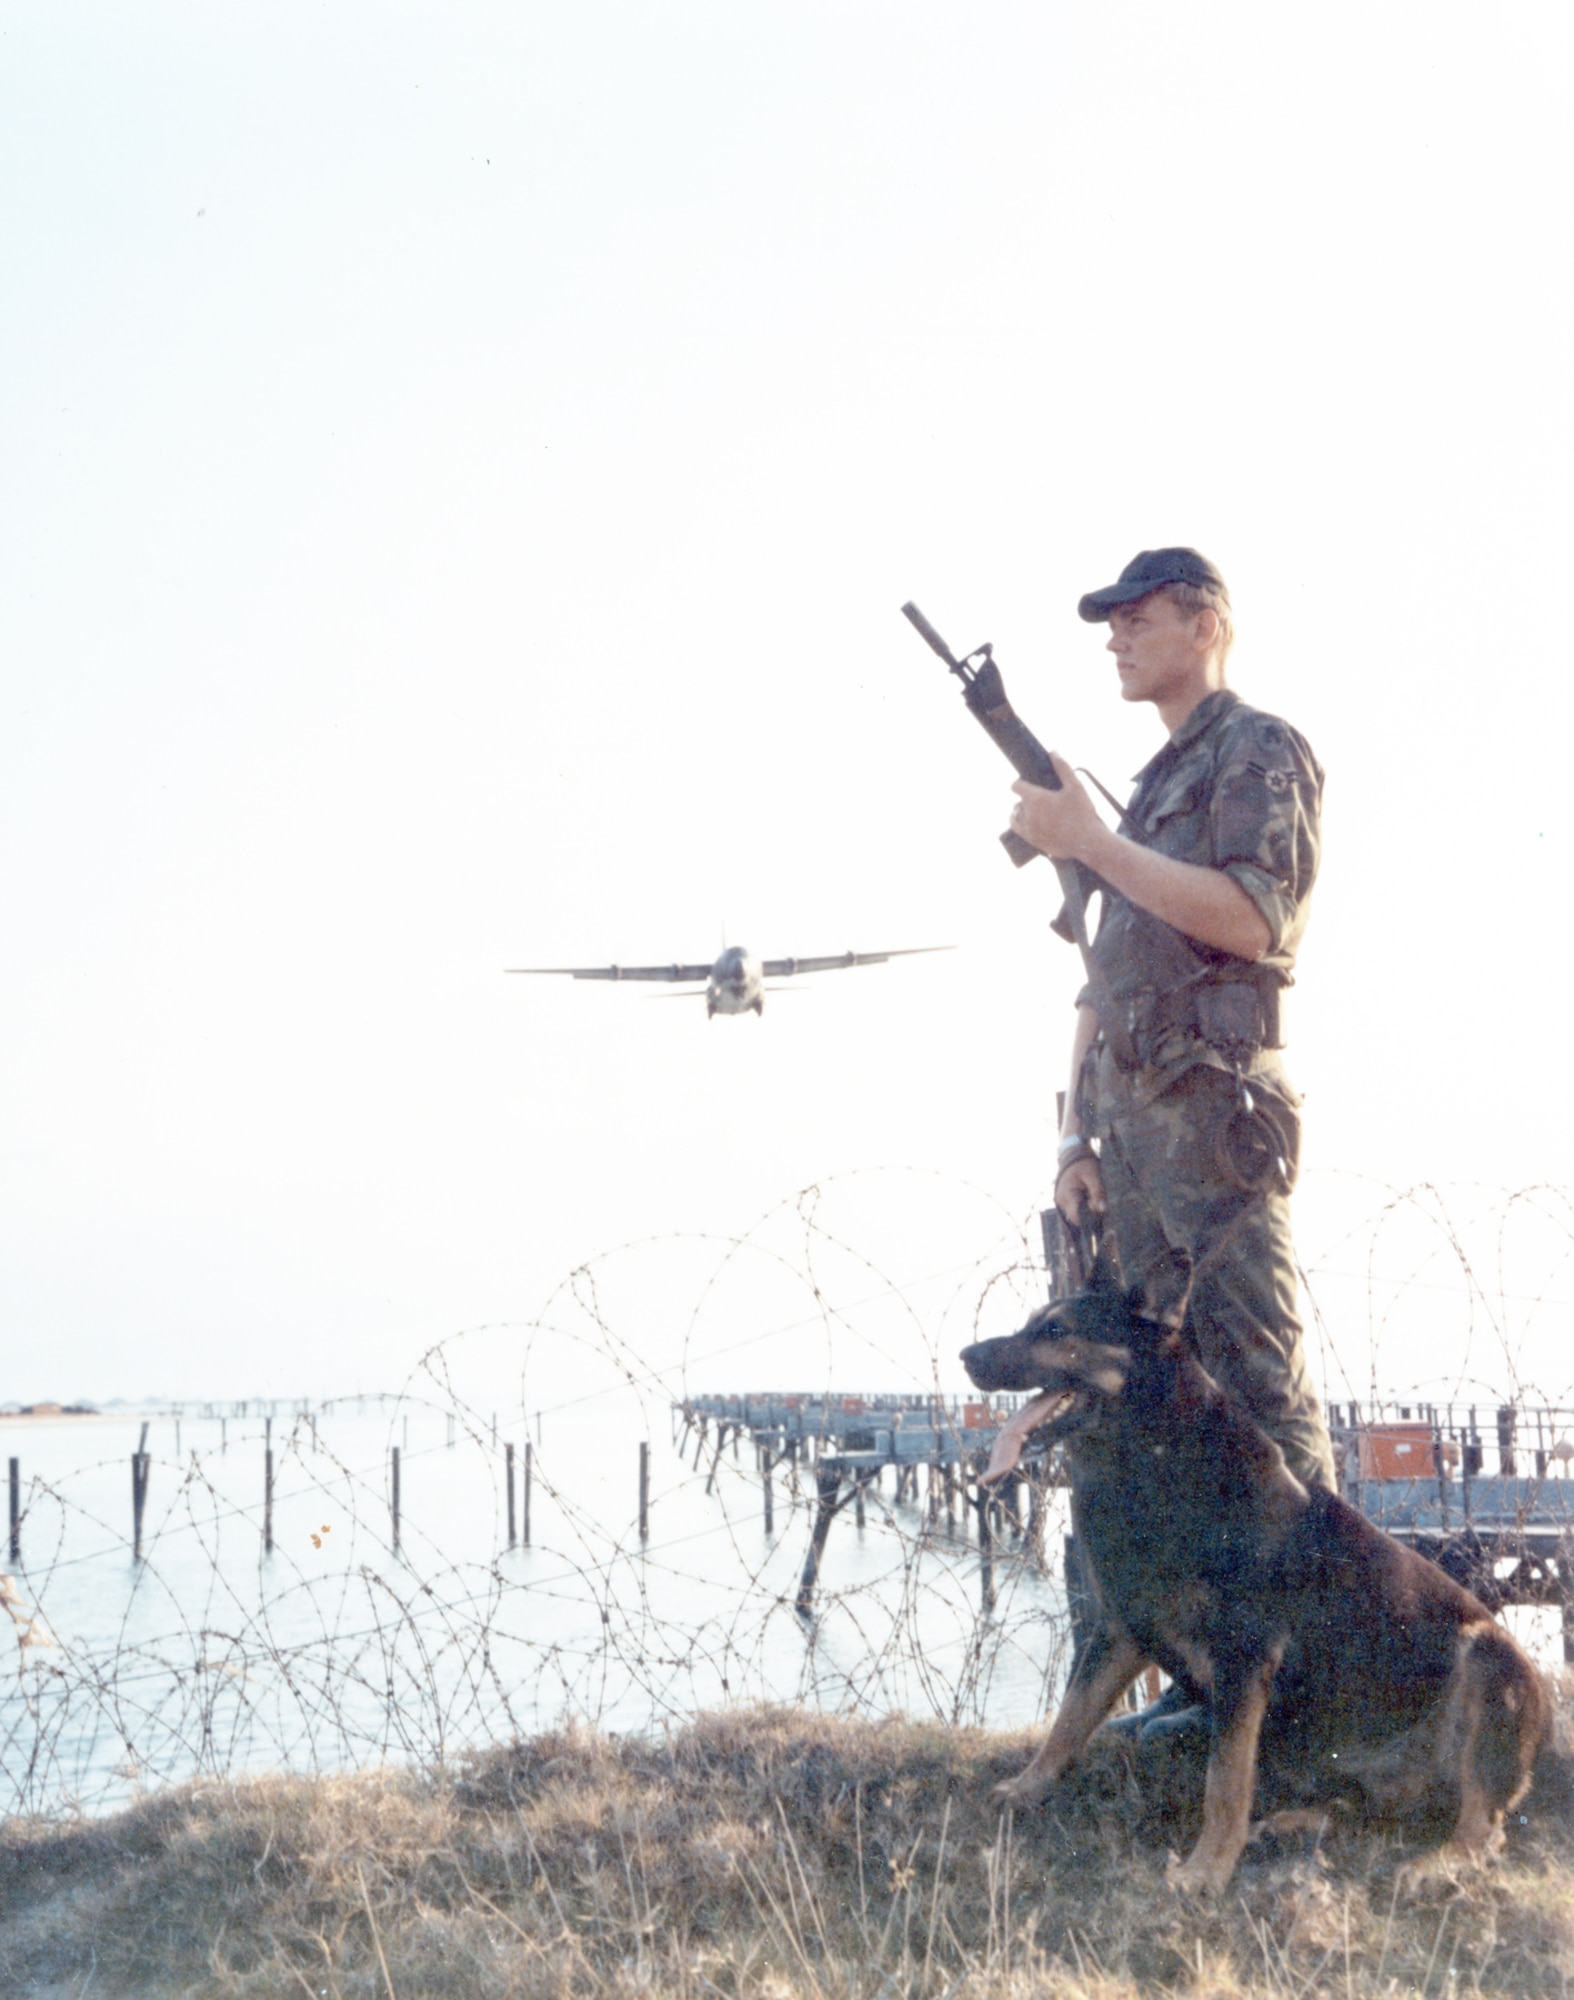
[[508, 1460], [16, 1510], [267, 1487], [828, 1483], [858, 1500], [765, 1488], [393, 1494], [1507, 1419], [525, 1522], [644, 1487], [1035, 1518], [986, 1551], [140, 1463], [721, 1439]]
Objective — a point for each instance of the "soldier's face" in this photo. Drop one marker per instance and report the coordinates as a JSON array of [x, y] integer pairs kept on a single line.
[[1156, 648]]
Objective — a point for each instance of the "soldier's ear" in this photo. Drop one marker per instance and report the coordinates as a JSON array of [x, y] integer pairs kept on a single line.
[[1163, 1294]]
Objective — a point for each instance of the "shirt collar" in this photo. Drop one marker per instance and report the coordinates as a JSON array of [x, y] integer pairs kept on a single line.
[[1211, 709]]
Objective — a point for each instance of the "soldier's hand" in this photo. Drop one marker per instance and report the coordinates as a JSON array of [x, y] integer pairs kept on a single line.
[[1059, 824], [1079, 1192]]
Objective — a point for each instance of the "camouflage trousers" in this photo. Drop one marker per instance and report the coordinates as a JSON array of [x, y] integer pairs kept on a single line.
[[1159, 1155]]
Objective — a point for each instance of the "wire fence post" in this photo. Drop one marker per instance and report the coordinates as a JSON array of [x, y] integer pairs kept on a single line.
[[508, 1459], [139, 1493], [267, 1487]]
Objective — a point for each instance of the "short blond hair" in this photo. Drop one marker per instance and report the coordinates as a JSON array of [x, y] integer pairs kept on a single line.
[[1191, 597]]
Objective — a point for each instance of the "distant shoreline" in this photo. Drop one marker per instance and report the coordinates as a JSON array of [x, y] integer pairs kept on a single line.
[[77, 1415]]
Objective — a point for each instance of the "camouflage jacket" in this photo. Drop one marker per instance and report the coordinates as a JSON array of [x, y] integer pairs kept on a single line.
[[1237, 790]]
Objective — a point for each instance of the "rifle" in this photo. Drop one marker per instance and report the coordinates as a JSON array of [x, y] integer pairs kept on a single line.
[[985, 694]]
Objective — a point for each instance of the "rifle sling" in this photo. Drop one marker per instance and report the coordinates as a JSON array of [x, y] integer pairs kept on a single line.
[[1074, 918]]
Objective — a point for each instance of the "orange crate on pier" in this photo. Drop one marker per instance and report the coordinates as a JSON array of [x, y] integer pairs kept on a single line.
[[1396, 1451]]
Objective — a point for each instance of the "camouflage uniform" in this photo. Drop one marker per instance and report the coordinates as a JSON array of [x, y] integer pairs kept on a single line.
[[1239, 791]]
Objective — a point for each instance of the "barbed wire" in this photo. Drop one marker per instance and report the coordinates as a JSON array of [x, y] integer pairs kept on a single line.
[[359, 1638]]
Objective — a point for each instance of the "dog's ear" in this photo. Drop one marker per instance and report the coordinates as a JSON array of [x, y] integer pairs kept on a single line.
[[1164, 1292]]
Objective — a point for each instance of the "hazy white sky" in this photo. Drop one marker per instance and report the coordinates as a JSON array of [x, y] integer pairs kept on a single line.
[[462, 466]]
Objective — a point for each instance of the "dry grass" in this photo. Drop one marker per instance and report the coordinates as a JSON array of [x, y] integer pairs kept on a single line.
[[754, 1856]]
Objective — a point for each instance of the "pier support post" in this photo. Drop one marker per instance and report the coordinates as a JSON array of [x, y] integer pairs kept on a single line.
[[986, 1550], [393, 1496], [139, 1492], [16, 1509], [508, 1462], [828, 1481], [529, 1462], [644, 1487]]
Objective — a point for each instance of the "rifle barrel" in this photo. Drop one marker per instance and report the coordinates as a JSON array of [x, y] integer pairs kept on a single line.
[[930, 636]]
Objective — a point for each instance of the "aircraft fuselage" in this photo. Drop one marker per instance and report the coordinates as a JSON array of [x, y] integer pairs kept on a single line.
[[736, 984]]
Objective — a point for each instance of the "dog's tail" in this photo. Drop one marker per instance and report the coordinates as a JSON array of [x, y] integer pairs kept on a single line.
[[1505, 1712], [1550, 1801]]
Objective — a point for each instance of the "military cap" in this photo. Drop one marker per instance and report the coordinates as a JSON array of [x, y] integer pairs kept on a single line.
[[1148, 572]]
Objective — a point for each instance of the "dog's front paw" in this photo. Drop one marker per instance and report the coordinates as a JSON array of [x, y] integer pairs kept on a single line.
[[1022, 1791], [1198, 1875]]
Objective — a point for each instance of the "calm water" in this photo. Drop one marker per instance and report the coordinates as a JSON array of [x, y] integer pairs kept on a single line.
[[336, 1650]]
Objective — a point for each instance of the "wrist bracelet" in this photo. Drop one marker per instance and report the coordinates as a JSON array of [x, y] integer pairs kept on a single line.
[[1064, 1162], [1070, 1144]]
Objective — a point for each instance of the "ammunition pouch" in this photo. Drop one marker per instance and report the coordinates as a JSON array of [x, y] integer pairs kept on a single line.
[[1238, 1018]]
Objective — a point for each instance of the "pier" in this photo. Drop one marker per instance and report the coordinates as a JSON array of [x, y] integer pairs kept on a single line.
[[1486, 1493], [849, 1442]]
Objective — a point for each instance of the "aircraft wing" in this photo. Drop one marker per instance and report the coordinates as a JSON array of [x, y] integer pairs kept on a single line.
[[673, 974], [782, 968]]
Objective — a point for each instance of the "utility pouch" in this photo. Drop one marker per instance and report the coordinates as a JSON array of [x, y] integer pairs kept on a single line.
[[1229, 1018], [1258, 1148]]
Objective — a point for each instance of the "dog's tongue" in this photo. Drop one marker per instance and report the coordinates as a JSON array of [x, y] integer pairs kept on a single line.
[[1008, 1446]]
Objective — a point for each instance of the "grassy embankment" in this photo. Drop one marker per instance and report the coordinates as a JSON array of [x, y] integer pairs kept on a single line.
[[757, 1854]]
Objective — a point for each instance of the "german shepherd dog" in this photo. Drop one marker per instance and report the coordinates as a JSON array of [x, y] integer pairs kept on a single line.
[[1354, 1667]]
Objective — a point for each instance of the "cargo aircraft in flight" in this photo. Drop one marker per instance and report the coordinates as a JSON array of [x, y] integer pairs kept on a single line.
[[735, 984]]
